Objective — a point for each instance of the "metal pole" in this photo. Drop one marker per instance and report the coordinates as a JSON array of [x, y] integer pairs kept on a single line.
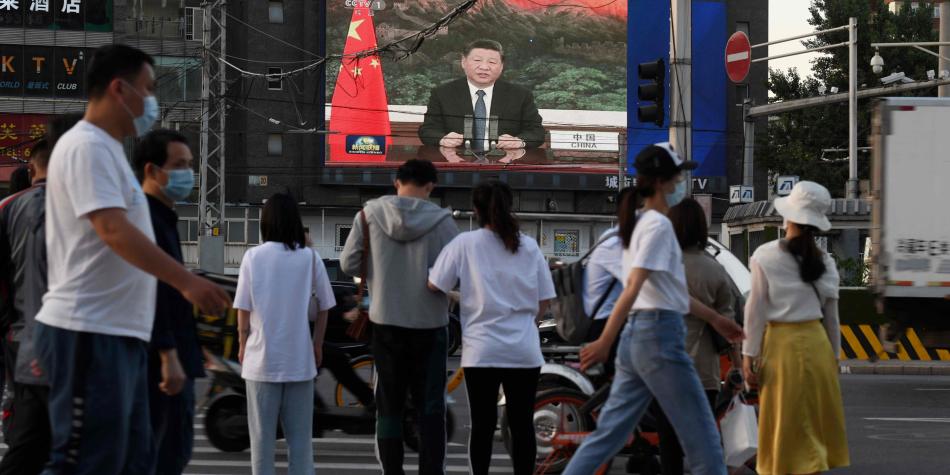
[[852, 187], [944, 91], [681, 106], [748, 132]]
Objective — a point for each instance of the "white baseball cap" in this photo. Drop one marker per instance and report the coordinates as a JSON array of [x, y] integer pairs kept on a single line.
[[808, 204]]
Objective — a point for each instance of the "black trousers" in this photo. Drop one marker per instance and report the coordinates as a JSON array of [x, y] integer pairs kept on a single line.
[[520, 385], [29, 435], [410, 362], [671, 453], [338, 362]]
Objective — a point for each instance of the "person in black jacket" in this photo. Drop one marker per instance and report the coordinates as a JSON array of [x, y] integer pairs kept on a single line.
[[481, 95], [163, 165]]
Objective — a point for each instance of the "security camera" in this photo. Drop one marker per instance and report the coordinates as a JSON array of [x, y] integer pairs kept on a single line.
[[893, 78], [877, 63], [834, 90], [822, 89]]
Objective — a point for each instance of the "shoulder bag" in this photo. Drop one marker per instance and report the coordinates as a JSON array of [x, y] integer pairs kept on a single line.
[[359, 329]]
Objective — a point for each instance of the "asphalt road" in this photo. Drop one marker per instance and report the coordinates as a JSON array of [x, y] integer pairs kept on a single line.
[[896, 425]]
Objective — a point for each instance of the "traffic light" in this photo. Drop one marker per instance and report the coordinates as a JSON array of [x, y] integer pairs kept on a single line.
[[653, 91]]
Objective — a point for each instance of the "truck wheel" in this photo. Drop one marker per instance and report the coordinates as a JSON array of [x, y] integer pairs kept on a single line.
[[226, 424]]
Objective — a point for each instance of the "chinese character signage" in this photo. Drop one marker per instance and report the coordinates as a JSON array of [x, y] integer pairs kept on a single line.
[[89, 15], [18, 133], [42, 71]]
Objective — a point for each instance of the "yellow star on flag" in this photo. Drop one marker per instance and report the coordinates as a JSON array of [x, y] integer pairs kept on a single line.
[[356, 71], [374, 63], [353, 26]]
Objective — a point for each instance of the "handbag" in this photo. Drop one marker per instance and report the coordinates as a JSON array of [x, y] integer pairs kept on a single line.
[[313, 308], [740, 432], [359, 329]]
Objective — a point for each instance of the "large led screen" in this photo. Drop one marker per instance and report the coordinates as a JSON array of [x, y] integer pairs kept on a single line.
[[552, 99]]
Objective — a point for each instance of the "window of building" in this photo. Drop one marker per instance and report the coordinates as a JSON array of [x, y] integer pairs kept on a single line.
[[275, 145], [275, 11], [567, 243], [179, 79], [275, 83], [342, 233]]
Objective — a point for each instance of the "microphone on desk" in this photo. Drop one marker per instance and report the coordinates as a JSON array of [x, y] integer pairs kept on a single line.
[[493, 150]]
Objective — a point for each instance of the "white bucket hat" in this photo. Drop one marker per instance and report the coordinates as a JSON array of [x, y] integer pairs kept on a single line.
[[808, 204]]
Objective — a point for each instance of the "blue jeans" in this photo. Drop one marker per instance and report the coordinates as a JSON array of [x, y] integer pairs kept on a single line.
[[292, 403], [652, 362]]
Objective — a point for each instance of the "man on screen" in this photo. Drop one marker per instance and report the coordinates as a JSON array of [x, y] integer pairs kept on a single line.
[[479, 96]]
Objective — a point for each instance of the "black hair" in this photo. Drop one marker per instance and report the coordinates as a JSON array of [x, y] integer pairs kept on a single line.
[[39, 154], [20, 179], [58, 125], [811, 261], [418, 172], [280, 222], [485, 44], [111, 62], [493, 201], [647, 186], [153, 148], [689, 224]]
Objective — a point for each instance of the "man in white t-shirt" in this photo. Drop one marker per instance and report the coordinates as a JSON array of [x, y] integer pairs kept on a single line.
[[92, 331]]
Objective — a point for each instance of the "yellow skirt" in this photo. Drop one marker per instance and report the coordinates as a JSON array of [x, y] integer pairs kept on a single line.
[[801, 416]]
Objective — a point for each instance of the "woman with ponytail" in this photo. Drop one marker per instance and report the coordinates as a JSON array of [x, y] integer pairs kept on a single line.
[[791, 320], [505, 285], [652, 361]]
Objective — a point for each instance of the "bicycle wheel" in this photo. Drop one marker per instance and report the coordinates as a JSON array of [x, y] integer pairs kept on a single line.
[[556, 411], [366, 370]]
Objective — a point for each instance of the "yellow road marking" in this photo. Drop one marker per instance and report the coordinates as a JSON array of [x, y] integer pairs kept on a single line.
[[853, 341], [875, 343], [918, 346]]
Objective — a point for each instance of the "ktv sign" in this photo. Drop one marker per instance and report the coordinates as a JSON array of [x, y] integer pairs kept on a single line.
[[42, 71]]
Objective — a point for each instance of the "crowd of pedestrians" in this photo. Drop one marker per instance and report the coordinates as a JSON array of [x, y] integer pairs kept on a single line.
[[102, 348]]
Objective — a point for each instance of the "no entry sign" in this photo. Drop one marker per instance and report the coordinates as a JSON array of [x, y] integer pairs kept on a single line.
[[738, 56]]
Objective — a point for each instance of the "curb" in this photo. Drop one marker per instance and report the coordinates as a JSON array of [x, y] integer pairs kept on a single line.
[[906, 368]]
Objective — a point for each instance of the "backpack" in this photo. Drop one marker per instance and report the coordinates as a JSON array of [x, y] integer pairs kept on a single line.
[[573, 323]]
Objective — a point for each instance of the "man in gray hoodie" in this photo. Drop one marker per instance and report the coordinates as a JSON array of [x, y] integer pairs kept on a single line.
[[410, 323]]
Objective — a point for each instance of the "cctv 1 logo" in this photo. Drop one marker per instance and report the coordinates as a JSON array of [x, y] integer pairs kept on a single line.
[[366, 144]]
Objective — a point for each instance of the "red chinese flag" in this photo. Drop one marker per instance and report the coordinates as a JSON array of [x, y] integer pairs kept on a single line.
[[359, 116]]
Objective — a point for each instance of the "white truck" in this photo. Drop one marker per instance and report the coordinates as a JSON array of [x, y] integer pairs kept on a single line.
[[910, 235]]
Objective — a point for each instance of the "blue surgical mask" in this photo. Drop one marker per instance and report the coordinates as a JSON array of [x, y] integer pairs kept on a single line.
[[674, 198], [150, 113], [180, 183]]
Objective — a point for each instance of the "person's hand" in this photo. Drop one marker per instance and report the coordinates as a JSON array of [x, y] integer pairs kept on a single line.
[[452, 139], [206, 295], [594, 353], [318, 354], [728, 328], [751, 379], [173, 376], [451, 154], [510, 142], [512, 155], [241, 353]]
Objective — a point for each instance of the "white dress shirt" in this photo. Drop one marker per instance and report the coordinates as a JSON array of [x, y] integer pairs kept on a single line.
[[472, 89], [780, 295]]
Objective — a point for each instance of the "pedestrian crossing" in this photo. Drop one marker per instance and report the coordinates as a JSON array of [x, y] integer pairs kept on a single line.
[[341, 453]]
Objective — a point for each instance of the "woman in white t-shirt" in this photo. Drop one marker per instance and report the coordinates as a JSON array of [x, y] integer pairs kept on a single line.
[[651, 359], [791, 319], [505, 285], [279, 356]]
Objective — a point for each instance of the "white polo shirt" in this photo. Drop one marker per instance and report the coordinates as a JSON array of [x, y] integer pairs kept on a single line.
[[91, 288]]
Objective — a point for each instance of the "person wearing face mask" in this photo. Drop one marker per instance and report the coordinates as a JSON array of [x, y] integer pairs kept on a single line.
[[651, 358], [163, 164], [93, 330]]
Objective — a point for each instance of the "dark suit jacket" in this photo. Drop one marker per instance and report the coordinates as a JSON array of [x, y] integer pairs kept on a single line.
[[513, 105]]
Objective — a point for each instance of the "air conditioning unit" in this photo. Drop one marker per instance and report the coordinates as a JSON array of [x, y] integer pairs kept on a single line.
[[194, 23]]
